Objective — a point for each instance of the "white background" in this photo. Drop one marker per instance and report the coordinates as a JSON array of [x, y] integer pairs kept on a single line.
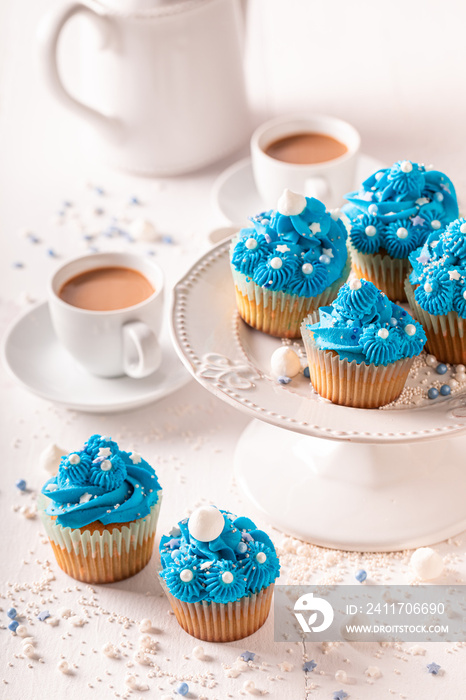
[[396, 71]]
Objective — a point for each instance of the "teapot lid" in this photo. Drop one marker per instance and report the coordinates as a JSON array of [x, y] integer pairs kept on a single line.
[[148, 7]]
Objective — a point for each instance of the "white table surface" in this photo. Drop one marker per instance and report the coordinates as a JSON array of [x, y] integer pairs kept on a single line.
[[189, 437]]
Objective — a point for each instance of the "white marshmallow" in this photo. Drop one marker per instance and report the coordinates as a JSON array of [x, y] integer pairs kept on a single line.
[[426, 563], [285, 362]]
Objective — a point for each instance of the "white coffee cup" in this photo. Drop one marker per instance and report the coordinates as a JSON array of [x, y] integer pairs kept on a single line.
[[110, 343], [328, 181]]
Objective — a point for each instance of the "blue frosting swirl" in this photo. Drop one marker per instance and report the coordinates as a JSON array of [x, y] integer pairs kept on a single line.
[[313, 236], [407, 196], [439, 271], [363, 325], [223, 565], [101, 483]]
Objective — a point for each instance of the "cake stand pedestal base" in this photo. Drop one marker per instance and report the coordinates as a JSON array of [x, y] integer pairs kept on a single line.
[[354, 496]]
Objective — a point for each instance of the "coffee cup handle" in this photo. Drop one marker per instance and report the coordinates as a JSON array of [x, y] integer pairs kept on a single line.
[[316, 187], [48, 36], [142, 354]]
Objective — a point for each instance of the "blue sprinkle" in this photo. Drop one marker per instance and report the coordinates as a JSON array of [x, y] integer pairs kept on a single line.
[[248, 656], [93, 249], [360, 575], [151, 252], [306, 372], [88, 237], [43, 615], [99, 190], [18, 265], [432, 393], [13, 626], [66, 203], [445, 389], [246, 536], [183, 689], [438, 196], [21, 485], [134, 200], [174, 543], [324, 259], [51, 253], [441, 368], [393, 321], [242, 548], [433, 668], [11, 613], [167, 239], [61, 212], [283, 380], [340, 695], [33, 239], [98, 211], [309, 666]]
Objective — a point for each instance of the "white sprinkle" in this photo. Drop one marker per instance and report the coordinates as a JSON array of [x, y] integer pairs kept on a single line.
[[29, 651], [251, 244], [145, 625], [65, 612], [74, 459], [410, 329], [106, 465], [133, 683], [406, 166], [307, 268], [373, 672], [198, 653], [436, 224], [276, 263], [354, 285], [427, 288], [63, 666], [383, 333], [402, 232], [370, 231], [76, 621], [21, 631]]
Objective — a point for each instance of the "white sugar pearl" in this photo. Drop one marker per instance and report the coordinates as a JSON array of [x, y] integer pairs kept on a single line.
[[373, 209], [110, 650], [29, 651], [145, 625], [143, 230], [402, 232], [291, 203], [63, 666], [285, 362], [261, 557], [74, 459], [460, 368], [370, 231], [463, 228], [76, 621], [427, 288], [426, 563], [355, 285], [307, 268], [383, 333], [106, 465], [251, 244], [373, 672], [453, 384], [133, 683], [227, 577], [406, 166], [341, 676], [410, 329], [435, 224], [21, 631], [141, 658], [186, 575], [431, 360], [206, 523], [198, 653], [464, 294], [249, 687], [276, 263]]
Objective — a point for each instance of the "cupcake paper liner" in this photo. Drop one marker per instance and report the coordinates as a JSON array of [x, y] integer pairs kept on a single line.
[[446, 335], [280, 313], [106, 554], [349, 383], [388, 274], [222, 622]]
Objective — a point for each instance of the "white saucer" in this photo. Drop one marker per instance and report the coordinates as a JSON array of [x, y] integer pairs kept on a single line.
[[34, 356], [234, 192]]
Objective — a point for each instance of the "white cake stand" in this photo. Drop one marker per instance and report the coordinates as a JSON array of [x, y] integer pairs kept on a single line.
[[365, 480]]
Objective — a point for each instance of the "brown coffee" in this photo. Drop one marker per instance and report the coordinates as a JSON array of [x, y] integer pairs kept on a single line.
[[306, 148], [106, 289]]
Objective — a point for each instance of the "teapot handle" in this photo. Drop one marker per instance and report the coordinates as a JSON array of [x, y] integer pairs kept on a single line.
[[48, 36]]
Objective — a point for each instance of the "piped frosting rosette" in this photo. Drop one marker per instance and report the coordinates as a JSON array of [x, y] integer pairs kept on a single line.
[[360, 348], [436, 291], [100, 511], [218, 571], [392, 214], [292, 260]]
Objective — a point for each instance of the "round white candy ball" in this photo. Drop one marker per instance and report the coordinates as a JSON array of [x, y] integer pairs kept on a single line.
[[426, 563], [285, 362], [406, 166], [206, 523]]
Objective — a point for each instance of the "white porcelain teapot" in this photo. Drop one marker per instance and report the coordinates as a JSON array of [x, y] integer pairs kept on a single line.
[[165, 91]]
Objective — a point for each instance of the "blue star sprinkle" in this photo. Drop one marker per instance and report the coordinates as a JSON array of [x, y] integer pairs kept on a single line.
[[134, 200], [43, 615], [248, 656], [340, 695], [309, 666], [21, 485], [173, 543], [283, 380], [433, 668], [360, 575]]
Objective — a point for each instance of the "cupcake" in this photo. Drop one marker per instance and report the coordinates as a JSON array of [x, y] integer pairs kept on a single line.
[[392, 214], [100, 512], [436, 291], [218, 572], [289, 263], [360, 349]]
